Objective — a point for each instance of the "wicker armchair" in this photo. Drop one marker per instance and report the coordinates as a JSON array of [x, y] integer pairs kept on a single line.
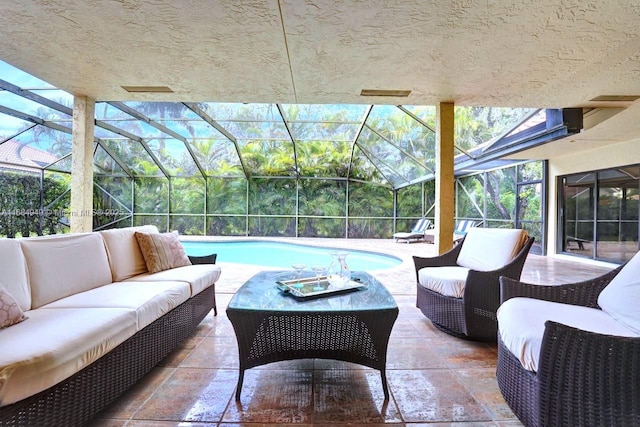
[[473, 316], [583, 378]]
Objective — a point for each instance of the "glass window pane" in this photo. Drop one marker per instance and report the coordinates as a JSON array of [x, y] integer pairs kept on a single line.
[[226, 225], [187, 225], [30, 107], [268, 157], [56, 95], [111, 201], [321, 227], [173, 156], [470, 197], [12, 126], [56, 196], [370, 200], [133, 154], [37, 147], [324, 113], [617, 214], [370, 228], [323, 158], [162, 110], [272, 226], [272, 197], [227, 196], [322, 197], [218, 157], [399, 167], [579, 205], [187, 196], [363, 169], [151, 196], [160, 221], [531, 171], [500, 193], [104, 164], [410, 205], [114, 193]]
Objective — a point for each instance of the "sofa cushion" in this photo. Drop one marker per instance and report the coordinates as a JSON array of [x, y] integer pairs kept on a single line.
[[13, 274], [54, 344], [199, 276], [125, 257], [64, 265], [447, 281], [521, 325], [162, 251], [621, 297], [10, 311], [486, 249], [150, 300]]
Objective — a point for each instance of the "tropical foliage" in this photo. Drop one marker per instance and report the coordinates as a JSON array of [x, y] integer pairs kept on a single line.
[[23, 212]]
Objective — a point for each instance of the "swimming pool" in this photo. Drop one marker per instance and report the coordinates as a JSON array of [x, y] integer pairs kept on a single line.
[[280, 254]]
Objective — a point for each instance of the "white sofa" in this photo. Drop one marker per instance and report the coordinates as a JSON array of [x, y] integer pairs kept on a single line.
[[570, 354], [96, 321]]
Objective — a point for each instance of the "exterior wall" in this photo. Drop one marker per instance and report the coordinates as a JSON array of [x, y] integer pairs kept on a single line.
[[609, 156]]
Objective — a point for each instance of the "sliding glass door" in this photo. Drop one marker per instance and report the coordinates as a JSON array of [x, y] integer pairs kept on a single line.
[[599, 214]]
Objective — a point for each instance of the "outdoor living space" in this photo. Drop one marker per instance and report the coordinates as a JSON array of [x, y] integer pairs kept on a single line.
[[434, 378]]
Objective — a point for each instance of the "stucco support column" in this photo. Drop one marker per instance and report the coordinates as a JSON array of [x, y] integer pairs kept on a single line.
[[81, 215], [445, 192]]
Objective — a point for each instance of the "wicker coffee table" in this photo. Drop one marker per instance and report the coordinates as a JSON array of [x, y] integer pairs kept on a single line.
[[272, 326]]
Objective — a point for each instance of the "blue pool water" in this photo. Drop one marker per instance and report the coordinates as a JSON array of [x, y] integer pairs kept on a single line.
[[278, 254]]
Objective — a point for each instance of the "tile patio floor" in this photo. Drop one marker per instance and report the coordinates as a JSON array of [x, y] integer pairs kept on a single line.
[[434, 379]]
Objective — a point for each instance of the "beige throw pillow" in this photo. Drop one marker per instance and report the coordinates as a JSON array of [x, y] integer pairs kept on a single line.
[[10, 311], [162, 251]]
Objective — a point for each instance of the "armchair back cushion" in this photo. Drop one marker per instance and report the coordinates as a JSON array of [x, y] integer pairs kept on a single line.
[[64, 265], [13, 274], [486, 249], [125, 256], [621, 297]]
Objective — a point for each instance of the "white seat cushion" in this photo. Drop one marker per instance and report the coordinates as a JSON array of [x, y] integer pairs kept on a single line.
[[621, 297], [521, 325], [447, 281], [486, 249], [53, 344], [199, 276], [150, 300]]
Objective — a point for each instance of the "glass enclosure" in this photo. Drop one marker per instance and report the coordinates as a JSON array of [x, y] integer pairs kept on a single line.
[[350, 171]]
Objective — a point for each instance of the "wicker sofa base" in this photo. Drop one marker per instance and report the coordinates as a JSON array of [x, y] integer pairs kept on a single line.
[[80, 397]]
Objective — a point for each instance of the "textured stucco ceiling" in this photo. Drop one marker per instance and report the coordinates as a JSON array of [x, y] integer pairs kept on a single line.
[[518, 53]]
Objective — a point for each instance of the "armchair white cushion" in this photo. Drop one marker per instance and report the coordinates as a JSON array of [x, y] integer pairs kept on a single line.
[[521, 325], [486, 249], [447, 281], [621, 297]]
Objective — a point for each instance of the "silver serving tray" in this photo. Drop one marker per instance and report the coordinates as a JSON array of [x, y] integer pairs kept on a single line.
[[308, 287]]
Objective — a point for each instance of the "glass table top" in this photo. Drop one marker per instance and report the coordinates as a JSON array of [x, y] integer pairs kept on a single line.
[[262, 292]]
